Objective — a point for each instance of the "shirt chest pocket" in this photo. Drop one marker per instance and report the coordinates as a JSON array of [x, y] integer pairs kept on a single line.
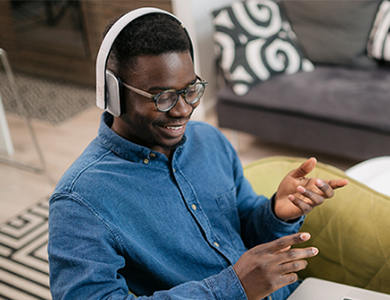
[[227, 201], [227, 205]]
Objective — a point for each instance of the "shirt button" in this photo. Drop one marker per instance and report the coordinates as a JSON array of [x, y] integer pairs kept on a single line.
[[193, 206], [216, 244], [152, 155], [146, 161], [174, 170]]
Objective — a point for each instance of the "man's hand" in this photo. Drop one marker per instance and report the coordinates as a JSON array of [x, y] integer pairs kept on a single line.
[[298, 195], [269, 267]]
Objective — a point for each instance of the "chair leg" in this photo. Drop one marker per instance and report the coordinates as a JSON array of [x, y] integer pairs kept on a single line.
[[22, 111]]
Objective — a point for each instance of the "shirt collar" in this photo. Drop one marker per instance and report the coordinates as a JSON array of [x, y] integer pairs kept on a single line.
[[122, 147]]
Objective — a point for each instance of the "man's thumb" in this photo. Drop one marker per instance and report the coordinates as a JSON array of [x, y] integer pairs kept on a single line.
[[304, 168]]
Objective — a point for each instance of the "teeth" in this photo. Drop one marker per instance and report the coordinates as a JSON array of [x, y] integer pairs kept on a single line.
[[174, 127]]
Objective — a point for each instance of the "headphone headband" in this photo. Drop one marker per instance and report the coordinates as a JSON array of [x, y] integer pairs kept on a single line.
[[105, 47]]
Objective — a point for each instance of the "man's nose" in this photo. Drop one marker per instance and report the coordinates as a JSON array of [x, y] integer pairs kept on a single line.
[[181, 109]]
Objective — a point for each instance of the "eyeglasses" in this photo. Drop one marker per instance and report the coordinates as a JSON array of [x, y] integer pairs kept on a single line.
[[167, 99]]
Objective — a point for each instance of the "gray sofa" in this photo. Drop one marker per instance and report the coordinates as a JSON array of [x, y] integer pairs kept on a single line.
[[342, 107]]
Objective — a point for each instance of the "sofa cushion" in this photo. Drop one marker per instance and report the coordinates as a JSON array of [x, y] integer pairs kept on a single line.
[[254, 42], [356, 98], [351, 230], [333, 32], [378, 45]]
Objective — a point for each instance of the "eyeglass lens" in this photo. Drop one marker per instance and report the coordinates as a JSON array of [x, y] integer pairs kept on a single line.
[[168, 99]]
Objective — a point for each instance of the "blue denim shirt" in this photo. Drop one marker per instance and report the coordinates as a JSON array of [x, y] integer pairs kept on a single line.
[[124, 218]]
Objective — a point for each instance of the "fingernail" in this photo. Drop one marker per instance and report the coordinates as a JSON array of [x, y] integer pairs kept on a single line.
[[320, 183], [305, 236], [315, 251], [301, 189]]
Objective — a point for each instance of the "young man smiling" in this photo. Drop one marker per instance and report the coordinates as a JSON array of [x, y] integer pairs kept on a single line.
[[141, 122], [159, 205]]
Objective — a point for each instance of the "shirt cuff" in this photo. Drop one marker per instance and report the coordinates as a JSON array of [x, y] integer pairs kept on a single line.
[[280, 224], [226, 285]]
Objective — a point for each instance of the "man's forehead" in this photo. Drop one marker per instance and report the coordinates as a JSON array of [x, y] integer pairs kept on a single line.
[[162, 67], [163, 57]]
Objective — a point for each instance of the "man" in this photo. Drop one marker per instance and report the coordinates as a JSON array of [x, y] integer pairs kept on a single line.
[[159, 205]]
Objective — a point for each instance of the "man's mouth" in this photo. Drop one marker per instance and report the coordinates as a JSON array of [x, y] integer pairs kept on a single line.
[[174, 127]]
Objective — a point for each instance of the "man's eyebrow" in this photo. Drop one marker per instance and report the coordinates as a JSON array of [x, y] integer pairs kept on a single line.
[[164, 88]]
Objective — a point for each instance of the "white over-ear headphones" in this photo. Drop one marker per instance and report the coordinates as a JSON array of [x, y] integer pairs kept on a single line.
[[108, 85]]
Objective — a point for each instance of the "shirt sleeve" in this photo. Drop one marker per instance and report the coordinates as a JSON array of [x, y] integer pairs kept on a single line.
[[259, 223], [223, 286], [85, 261], [262, 226]]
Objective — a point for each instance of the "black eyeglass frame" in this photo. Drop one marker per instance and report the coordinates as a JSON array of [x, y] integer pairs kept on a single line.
[[182, 92]]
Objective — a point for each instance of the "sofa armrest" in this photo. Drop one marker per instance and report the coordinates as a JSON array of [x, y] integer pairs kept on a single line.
[[351, 230]]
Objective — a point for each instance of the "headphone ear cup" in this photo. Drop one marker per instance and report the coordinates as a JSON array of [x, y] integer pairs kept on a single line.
[[114, 93]]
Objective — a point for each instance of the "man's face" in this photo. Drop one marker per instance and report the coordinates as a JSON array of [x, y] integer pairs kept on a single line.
[[141, 122]]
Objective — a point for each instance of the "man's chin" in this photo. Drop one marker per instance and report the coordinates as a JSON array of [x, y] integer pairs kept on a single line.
[[171, 147]]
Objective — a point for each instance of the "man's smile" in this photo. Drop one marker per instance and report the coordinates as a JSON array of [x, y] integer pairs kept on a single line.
[[175, 127], [174, 130]]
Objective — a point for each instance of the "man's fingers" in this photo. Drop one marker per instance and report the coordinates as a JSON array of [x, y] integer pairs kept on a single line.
[[294, 260], [304, 168], [328, 186], [302, 204], [293, 266], [289, 278], [312, 198], [268, 267], [289, 240], [325, 188], [317, 198], [298, 254], [337, 183], [282, 243], [284, 249]]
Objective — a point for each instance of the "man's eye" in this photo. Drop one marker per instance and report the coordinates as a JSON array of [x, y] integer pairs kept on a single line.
[[166, 97], [191, 92], [192, 89]]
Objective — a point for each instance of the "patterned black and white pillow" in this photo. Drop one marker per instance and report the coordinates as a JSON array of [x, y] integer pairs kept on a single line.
[[378, 45], [254, 41]]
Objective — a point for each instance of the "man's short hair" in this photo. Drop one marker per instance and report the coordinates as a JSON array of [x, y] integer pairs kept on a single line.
[[151, 34]]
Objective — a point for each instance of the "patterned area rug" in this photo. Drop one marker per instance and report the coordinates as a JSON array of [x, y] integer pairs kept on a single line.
[[48, 100], [24, 268]]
